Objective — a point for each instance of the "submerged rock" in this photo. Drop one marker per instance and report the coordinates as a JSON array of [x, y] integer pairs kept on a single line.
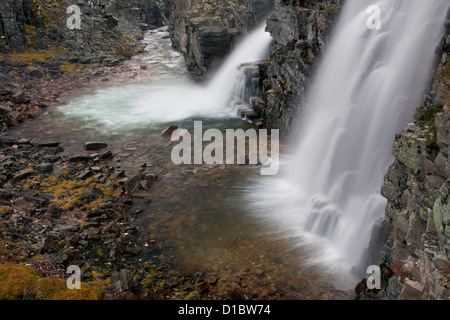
[[93, 146]]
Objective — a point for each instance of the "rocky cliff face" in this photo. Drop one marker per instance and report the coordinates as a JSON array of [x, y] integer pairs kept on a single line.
[[108, 28], [13, 18], [417, 187], [300, 30], [205, 31]]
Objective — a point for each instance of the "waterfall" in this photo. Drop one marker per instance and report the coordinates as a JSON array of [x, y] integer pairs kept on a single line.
[[253, 48], [367, 88], [169, 95], [246, 88]]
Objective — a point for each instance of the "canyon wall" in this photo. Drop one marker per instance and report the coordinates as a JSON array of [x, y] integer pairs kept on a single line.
[[417, 187], [206, 31], [109, 29], [300, 30]]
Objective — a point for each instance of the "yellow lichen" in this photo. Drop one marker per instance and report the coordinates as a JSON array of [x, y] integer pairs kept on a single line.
[[67, 194], [17, 280], [70, 67], [33, 56], [56, 289]]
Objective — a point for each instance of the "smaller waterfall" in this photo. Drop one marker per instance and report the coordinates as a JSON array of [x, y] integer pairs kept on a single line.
[[253, 48], [170, 95], [246, 89]]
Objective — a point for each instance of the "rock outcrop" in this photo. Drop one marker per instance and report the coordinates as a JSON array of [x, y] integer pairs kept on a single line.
[[13, 18], [417, 187], [300, 30], [205, 31], [107, 29], [416, 256]]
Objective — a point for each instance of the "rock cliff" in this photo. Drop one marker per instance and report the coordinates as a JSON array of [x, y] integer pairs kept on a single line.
[[206, 31], [417, 187], [13, 18], [300, 30], [108, 29]]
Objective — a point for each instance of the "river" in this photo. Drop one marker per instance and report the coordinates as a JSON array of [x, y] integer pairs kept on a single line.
[[197, 213]]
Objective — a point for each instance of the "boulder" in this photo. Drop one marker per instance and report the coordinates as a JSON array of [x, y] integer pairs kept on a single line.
[[168, 132]]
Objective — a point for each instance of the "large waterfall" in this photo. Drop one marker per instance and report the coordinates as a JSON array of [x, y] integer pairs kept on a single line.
[[367, 88]]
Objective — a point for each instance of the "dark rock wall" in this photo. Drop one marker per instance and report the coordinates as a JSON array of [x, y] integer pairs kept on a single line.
[[108, 27], [417, 187], [206, 31], [300, 30], [13, 17]]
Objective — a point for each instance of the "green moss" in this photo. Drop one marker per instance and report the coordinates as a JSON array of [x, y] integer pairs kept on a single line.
[[67, 194], [70, 67], [429, 119], [331, 8], [445, 72], [35, 56], [4, 210], [14, 279]]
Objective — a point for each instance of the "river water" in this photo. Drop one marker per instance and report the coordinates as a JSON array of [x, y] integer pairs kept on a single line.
[[198, 213]]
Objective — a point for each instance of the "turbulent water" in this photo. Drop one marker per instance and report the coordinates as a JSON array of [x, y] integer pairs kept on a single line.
[[169, 95], [369, 84]]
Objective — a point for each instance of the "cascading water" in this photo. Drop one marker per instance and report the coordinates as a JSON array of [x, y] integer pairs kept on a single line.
[[252, 49], [367, 89], [247, 87], [170, 95]]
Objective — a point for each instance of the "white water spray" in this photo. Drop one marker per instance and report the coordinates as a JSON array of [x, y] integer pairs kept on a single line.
[[367, 89]]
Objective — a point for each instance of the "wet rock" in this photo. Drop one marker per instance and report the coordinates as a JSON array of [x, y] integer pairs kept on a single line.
[[168, 132], [93, 146], [21, 175], [204, 287], [237, 294], [106, 155], [140, 181], [47, 144]]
